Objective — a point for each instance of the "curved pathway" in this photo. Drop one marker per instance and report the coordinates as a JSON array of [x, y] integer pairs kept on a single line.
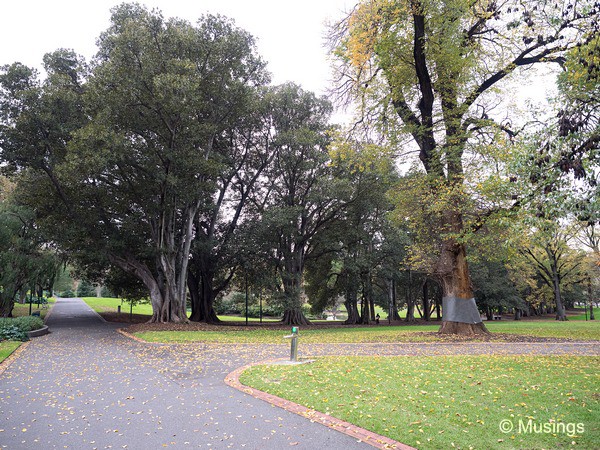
[[85, 386]]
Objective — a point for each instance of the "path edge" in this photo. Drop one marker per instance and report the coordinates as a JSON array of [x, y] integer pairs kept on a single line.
[[366, 436], [13, 356]]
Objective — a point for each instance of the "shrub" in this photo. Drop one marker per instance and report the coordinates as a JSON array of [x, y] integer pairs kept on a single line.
[[12, 333], [67, 294], [15, 329], [29, 323]]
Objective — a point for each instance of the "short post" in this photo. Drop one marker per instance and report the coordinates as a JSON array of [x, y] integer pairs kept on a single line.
[[294, 346], [118, 309]]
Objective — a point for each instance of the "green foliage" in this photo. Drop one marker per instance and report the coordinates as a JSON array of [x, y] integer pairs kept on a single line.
[[10, 332], [86, 289], [493, 287], [120, 158], [25, 259], [15, 329], [67, 293]]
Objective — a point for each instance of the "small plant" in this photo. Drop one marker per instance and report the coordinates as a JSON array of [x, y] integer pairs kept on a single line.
[[12, 333], [15, 329], [29, 323]]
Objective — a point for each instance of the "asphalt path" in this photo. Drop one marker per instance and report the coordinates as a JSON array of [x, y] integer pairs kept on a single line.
[[86, 386]]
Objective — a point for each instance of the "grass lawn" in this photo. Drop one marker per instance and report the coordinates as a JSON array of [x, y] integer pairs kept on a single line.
[[383, 333], [579, 330], [451, 401], [7, 347], [106, 304], [23, 310]]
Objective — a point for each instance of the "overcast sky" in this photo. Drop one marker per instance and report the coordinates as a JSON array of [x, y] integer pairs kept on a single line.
[[290, 34]]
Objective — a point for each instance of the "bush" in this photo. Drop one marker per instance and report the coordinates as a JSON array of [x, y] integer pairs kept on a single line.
[[12, 333], [67, 294], [86, 289], [15, 329], [29, 323]]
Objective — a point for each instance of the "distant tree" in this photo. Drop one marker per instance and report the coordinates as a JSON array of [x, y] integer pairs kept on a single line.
[[300, 201], [494, 290], [86, 289], [554, 261], [25, 265]]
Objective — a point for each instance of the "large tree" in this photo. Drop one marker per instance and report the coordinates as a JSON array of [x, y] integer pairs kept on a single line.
[[427, 69], [131, 181]]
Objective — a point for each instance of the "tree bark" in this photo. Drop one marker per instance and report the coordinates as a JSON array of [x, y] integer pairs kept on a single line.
[[292, 286], [6, 305], [395, 315], [351, 302], [560, 309], [202, 294], [294, 317], [426, 311], [460, 314]]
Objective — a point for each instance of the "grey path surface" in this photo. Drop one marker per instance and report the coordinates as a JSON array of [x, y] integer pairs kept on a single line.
[[85, 386]]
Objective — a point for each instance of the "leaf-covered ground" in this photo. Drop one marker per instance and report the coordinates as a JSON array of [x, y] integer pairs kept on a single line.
[[533, 331], [451, 401]]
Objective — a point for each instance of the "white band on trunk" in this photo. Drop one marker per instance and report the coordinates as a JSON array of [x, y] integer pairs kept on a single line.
[[460, 310]]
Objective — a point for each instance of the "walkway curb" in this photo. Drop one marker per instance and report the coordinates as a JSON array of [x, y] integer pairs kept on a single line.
[[366, 436], [39, 332], [12, 357]]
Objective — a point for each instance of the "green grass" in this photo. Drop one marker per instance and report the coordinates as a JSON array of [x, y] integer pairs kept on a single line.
[[271, 336], [7, 347], [378, 334], [450, 401], [23, 310], [250, 319], [106, 304], [578, 330]]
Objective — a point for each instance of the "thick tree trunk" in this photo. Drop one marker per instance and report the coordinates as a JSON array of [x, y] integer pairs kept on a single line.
[[426, 311], [157, 287], [6, 305], [202, 296], [351, 301], [395, 315], [365, 317], [560, 309], [292, 286], [369, 296], [294, 317], [459, 311], [410, 301]]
